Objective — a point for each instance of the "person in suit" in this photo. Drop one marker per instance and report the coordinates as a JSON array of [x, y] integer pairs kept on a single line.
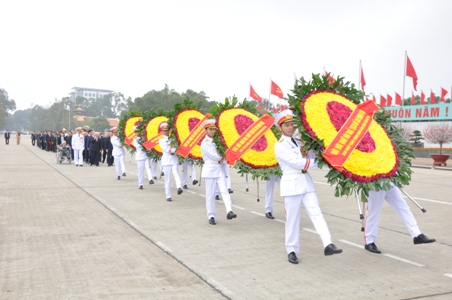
[[95, 149], [169, 162], [33, 138], [78, 144], [109, 149], [214, 175], [103, 146], [297, 189], [7, 137]]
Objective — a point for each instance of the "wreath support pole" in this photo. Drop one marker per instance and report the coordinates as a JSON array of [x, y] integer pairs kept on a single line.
[[414, 201], [246, 178], [257, 181]]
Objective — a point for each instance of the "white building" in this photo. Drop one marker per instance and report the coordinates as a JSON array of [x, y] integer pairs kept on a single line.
[[88, 93]]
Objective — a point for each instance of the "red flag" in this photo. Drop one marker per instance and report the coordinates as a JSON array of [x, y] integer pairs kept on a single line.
[[410, 72], [432, 98], [254, 95], [389, 101], [363, 81], [275, 110], [413, 99], [331, 80], [382, 101], [398, 99], [373, 98], [422, 98], [275, 90], [443, 93]]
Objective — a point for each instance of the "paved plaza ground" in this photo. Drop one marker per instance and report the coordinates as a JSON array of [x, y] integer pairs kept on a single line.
[[68, 232]]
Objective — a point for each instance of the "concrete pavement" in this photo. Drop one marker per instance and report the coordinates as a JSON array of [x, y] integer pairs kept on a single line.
[[78, 233]]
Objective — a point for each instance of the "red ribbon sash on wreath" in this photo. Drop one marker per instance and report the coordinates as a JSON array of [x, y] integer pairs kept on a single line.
[[350, 135], [153, 141], [129, 139], [193, 138], [248, 138]]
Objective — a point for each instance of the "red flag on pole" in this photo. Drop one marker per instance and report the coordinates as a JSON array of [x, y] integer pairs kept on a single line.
[[254, 95], [389, 101], [413, 99], [382, 101], [398, 99], [331, 80], [363, 81], [275, 90], [410, 72], [373, 98], [443, 94], [432, 98], [422, 98]]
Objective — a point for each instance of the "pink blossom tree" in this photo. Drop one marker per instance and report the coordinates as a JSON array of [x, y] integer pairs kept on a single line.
[[438, 133]]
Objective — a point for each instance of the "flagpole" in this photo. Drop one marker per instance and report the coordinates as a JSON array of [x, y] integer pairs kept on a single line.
[[269, 93], [404, 75], [359, 77]]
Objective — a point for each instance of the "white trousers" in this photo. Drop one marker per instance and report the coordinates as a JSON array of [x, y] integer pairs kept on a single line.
[[119, 164], [292, 205], [269, 189], [78, 156], [155, 171], [147, 166], [168, 170], [211, 185], [140, 169], [398, 204], [188, 168]]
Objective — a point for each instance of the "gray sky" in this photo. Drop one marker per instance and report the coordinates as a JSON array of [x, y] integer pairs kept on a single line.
[[219, 47]]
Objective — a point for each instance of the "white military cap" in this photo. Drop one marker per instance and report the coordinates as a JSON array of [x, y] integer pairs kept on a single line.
[[284, 116], [209, 123], [164, 126], [114, 129]]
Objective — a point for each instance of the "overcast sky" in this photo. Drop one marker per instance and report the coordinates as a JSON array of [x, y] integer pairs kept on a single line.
[[219, 47]]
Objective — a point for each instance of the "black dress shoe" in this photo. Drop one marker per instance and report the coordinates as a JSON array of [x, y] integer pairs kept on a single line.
[[269, 215], [372, 248], [162, 174], [151, 181], [217, 197], [195, 182], [422, 239], [141, 187], [81, 165], [155, 177], [331, 249], [76, 165], [231, 215], [119, 177], [230, 191], [179, 191], [293, 258], [212, 221], [124, 174], [185, 186], [169, 199]]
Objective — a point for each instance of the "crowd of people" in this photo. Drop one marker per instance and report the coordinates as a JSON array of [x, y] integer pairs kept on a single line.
[[296, 185]]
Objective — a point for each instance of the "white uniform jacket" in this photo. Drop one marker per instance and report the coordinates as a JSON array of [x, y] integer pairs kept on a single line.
[[168, 156], [78, 141], [139, 154], [117, 148], [212, 166], [291, 161]]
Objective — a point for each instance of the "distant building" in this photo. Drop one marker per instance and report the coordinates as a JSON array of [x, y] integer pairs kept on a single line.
[[88, 93]]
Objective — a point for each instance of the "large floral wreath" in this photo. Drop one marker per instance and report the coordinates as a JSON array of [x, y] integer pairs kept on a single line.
[[232, 119], [150, 127], [382, 157], [125, 127]]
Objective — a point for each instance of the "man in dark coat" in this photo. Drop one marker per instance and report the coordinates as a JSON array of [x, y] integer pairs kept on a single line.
[[33, 138], [109, 148], [95, 149], [7, 136]]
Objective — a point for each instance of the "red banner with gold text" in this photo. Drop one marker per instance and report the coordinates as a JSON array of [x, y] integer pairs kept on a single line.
[[193, 138]]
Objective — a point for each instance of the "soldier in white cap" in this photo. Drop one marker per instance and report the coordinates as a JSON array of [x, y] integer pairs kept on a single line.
[[297, 188], [140, 157], [213, 174], [170, 162], [118, 153], [78, 144]]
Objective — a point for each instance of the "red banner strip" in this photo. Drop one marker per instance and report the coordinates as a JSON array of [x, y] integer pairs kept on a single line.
[[350, 135], [152, 142], [248, 139]]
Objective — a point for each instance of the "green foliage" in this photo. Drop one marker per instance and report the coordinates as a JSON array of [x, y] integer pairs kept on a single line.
[[6, 105], [346, 186]]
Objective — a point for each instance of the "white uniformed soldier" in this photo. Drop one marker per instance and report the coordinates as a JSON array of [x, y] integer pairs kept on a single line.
[[213, 174], [297, 189], [78, 144], [118, 153], [188, 168], [140, 157], [169, 162], [399, 205]]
